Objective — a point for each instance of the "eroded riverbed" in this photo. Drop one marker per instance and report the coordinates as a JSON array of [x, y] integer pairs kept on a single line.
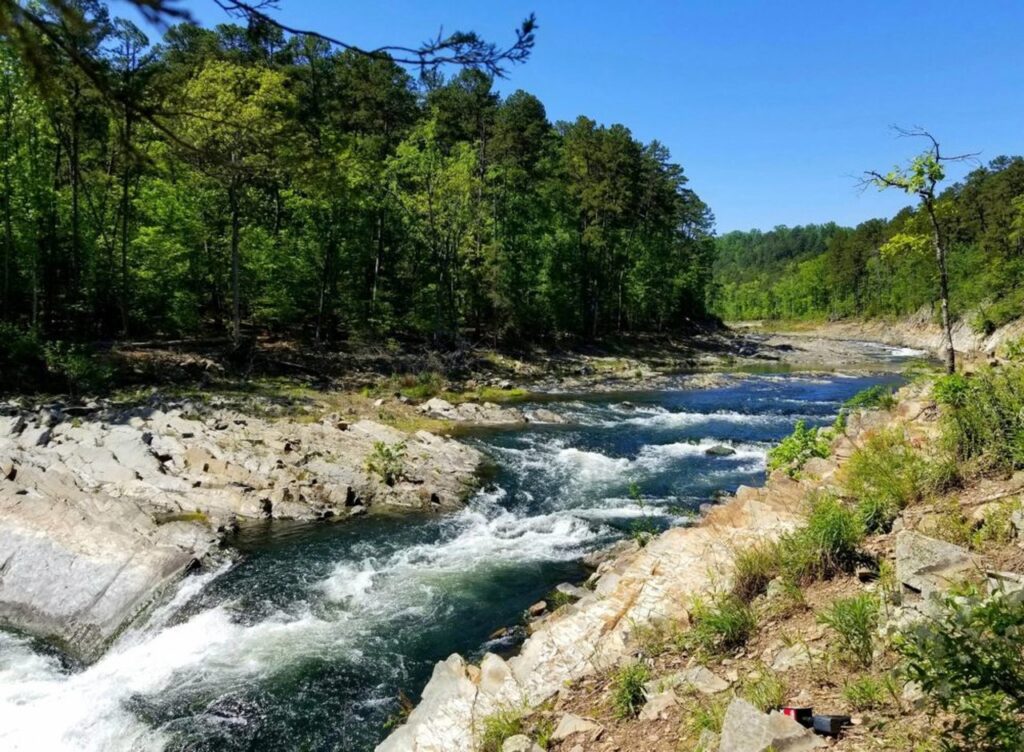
[[307, 639]]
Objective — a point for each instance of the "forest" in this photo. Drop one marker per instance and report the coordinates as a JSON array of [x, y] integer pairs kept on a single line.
[[886, 268], [289, 187]]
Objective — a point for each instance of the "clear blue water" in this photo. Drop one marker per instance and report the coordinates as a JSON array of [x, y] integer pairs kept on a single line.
[[305, 642]]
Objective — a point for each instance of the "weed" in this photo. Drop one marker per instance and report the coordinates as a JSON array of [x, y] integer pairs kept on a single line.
[[865, 693], [854, 620], [885, 475], [753, 568], [543, 732], [984, 419], [707, 715], [387, 461], [878, 397], [721, 624], [826, 545], [628, 689], [794, 450], [765, 690], [968, 661], [498, 727]]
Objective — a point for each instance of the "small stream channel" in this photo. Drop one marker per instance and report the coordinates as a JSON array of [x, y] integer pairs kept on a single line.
[[305, 641]]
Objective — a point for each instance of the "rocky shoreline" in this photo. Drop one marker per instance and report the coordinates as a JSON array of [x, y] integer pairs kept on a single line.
[[105, 506], [637, 589]]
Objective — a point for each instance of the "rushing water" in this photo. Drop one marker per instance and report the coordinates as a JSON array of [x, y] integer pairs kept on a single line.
[[305, 642]]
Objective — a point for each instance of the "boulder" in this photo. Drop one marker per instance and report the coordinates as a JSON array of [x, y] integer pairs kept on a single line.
[[697, 678], [720, 450], [927, 566], [570, 724], [573, 591], [656, 707], [793, 657], [543, 415], [747, 729], [520, 743]]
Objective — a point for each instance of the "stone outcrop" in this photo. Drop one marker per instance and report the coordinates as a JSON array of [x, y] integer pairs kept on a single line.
[[103, 508], [487, 413], [747, 729]]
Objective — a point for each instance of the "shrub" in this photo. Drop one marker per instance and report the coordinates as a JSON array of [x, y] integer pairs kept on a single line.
[[885, 475], [387, 461], [969, 662], [628, 689], [828, 544], [765, 692], [865, 693], [753, 568], [498, 727], [78, 367], [874, 397], [721, 624], [794, 450], [984, 419], [854, 620]]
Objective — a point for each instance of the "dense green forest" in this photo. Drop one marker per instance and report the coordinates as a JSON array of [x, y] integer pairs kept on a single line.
[[886, 267], [287, 186]]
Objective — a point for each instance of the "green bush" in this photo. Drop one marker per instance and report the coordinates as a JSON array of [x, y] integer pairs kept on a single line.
[[753, 568], [721, 624], [854, 621], [78, 367], [826, 545], [884, 476], [970, 663], [877, 397], [984, 417], [628, 689], [498, 727], [865, 693], [766, 691], [706, 714], [387, 461], [794, 450], [22, 360]]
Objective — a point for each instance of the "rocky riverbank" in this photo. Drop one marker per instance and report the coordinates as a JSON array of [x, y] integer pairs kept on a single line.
[[564, 666], [104, 505]]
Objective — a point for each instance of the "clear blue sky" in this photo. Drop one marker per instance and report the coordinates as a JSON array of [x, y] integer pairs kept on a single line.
[[772, 108]]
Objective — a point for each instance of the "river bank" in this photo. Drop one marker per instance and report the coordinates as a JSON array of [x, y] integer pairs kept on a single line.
[[393, 584]]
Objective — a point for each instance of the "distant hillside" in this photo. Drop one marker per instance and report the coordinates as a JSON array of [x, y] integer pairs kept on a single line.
[[884, 267]]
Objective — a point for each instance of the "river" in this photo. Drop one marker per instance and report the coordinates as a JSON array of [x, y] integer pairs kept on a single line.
[[305, 639]]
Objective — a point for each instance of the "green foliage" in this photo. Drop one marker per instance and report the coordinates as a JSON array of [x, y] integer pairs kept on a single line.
[[628, 689], [827, 544], [753, 568], [387, 461], [826, 272], [969, 662], [984, 419], [794, 450], [766, 691], [877, 397], [865, 693], [705, 714], [323, 193], [885, 475], [854, 621], [720, 624], [498, 727], [78, 367]]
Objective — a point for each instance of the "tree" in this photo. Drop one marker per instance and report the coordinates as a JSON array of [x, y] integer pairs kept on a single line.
[[920, 179]]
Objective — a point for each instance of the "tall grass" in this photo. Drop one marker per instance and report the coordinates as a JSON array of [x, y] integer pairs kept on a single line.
[[984, 417], [884, 476], [628, 689]]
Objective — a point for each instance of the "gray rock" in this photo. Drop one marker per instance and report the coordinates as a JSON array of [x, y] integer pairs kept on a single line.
[[572, 724], [573, 591], [707, 742], [657, 706], [747, 729], [697, 678], [928, 566], [793, 657], [720, 450], [520, 743], [913, 695], [543, 415]]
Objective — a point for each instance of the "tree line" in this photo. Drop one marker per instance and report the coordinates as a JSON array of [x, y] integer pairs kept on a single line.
[[292, 187], [886, 268]]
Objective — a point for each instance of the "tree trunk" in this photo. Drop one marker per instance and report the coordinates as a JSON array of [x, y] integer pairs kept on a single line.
[[125, 219], [940, 259], [236, 305]]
